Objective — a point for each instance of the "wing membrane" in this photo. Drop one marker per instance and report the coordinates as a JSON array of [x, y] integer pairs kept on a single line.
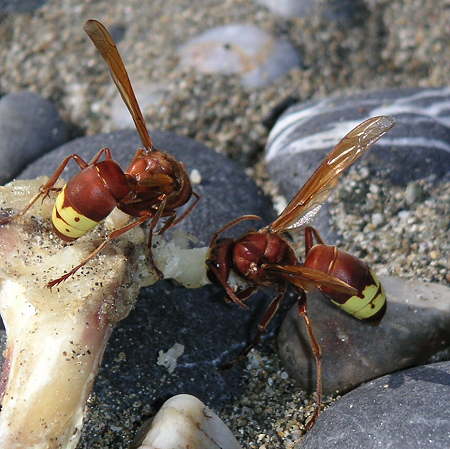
[[306, 203], [309, 278], [107, 48]]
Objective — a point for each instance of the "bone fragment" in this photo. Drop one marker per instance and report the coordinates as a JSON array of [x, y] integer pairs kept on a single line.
[[56, 338], [184, 422]]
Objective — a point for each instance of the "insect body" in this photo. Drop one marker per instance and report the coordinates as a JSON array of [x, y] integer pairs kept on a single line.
[[371, 303], [88, 197], [368, 304], [265, 257], [153, 186]]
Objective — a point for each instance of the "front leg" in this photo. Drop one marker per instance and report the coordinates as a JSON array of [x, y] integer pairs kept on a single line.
[[113, 235], [270, 312], [156, 217]]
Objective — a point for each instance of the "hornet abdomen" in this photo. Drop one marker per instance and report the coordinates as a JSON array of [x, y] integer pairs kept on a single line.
[[371, 305]]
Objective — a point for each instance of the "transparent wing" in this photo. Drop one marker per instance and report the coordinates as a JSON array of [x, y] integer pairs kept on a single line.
[[107, 48], [309, 278], [308, 200]]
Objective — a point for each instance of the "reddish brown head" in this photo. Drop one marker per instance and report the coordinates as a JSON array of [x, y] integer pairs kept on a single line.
[[246, 256], [219, 260], [153, 176]]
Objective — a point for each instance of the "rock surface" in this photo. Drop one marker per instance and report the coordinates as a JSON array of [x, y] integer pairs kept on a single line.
[[414, 329], [406, 410], [29, 127], [395, 46], [418, 144], [290, 8], [20, 6], [343, 12], [244, 49], [416, 148]]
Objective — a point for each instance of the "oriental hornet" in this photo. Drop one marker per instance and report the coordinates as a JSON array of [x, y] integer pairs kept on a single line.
[[153, 186], [266, 258]]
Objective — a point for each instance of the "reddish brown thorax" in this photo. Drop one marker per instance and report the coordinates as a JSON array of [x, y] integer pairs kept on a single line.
[[340, 264], [146, 164], [151, 175], [254, 249]]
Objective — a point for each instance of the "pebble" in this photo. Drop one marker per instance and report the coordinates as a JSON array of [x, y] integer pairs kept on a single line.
[[377, 219], [185, 422], [20, 6], [307, 131], [29, 127], [345, 13], [402, 243], [195, 176], [364, 212], [243, 49], [290, 8], [414, 329], [407, 409], [413, 193]]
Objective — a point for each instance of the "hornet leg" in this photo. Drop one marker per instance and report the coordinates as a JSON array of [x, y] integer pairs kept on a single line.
[[317, 353]]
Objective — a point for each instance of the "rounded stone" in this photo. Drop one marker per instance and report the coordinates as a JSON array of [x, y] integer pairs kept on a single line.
[[219, 176], [415, 148], [242, 49], [414, 329], [290, 8], [146, 94], [406, 410], [29, 127], [342, 12], [20, 6]]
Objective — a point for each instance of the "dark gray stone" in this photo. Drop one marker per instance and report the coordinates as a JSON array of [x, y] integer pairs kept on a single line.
[[415, 328], [29, 127], [404, 410], [20, 6], [342, 12], [415, 148], [345, 12], [212, 331]]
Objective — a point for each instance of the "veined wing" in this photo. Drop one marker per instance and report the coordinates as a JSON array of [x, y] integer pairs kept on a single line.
[[106, 46], [309, 278], [306, 203]]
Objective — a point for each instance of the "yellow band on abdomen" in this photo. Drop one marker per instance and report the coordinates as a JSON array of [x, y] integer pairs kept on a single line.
[[372, 301], [68, 221]]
